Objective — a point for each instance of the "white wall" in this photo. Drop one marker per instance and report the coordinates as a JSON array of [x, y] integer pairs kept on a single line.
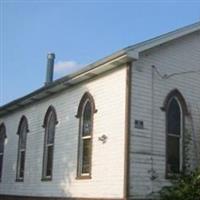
[[107, 180], [174, 57]]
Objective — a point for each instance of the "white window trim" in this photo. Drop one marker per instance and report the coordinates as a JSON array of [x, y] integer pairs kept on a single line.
[[82, 138], [181, 133], [46, 146], [20, 150]]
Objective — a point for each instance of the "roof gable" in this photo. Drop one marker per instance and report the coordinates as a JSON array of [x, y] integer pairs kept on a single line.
[[148, 44]]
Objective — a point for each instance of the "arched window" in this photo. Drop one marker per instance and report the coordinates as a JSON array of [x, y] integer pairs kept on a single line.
[[2, 141], [176, 109], [50, 122], [22, 133], [85, 114], [174, 136]]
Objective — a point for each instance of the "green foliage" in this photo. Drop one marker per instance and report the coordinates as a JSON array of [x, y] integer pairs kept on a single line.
[[186, 146], [187, 187]]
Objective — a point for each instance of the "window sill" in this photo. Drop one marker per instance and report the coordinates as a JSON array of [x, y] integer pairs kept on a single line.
[[81, 177], [172, 176], [19, 180], [46, 179]]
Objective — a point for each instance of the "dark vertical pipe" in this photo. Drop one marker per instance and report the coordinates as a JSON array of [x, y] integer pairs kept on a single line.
[[50, 68]]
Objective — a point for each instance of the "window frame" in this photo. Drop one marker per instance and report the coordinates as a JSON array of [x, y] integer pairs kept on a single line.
[[175, 93], [51, 112], [23, 125], [3, 128], [180, 137], [87, 98]]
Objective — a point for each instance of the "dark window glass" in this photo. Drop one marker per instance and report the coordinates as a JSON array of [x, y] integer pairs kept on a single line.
[[2, 138], [1, 164], [87, 119], [1, 145], [86, 156], [173, 154], [23, 137], [49, 160], [174, 121], [2, 141], [51, 130], [22, 162]]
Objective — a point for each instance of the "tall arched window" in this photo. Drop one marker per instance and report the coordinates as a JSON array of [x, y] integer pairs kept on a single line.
[[2, 141], [176, 110], [50, 122], [22, 133], [174, 136], [85, 114]]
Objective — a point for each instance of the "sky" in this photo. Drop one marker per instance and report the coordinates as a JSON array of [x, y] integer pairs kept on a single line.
[[79, 32]]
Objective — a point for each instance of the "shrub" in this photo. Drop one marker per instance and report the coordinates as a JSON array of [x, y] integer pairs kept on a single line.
[[187, 187]]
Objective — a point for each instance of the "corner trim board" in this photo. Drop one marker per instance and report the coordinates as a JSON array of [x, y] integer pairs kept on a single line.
[[127, 129]]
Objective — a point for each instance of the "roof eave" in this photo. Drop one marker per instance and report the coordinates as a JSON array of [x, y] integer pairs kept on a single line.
[[91, 71]]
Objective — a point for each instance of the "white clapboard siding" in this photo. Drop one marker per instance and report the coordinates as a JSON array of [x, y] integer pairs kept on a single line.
[[177, 56], [107, 180]]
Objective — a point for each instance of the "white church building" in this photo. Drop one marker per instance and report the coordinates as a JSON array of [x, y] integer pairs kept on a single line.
[[119, 129]]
